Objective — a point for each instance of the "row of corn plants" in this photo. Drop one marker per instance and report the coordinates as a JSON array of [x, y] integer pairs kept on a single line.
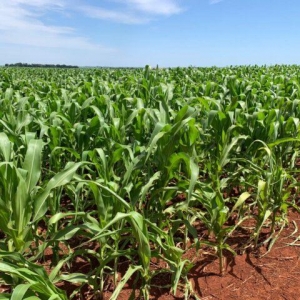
[[121, 165]]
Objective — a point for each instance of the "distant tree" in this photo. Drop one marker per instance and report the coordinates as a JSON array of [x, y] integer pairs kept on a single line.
[[19, 64]]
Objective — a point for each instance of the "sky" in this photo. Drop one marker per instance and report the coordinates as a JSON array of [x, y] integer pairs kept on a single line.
[[134, 33]]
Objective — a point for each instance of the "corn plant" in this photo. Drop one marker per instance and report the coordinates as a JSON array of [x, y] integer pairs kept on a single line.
[[130, 159]]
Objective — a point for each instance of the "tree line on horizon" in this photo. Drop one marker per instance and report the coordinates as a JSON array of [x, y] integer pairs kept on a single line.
[[26, 65]]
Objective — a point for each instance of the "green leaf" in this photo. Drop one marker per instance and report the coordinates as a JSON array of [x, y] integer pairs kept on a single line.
[[283, 140], [32, 163], [5, 146], [20, 291], [131, 270], [60, 179], [242, 198]]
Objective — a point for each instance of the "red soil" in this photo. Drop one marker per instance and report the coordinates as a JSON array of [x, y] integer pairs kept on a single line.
[[250, 275]]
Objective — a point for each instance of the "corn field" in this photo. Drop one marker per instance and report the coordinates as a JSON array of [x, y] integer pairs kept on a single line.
[[117, 165]]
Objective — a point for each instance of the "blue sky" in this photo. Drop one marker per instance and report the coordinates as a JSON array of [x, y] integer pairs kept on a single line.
[[134, 33]]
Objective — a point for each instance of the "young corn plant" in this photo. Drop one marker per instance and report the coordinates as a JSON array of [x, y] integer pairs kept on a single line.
[[134, 157], [28, 280], [273, 189], [23, 202]]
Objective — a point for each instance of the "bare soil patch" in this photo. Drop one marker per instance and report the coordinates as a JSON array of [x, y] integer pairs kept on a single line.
[[252, 274]]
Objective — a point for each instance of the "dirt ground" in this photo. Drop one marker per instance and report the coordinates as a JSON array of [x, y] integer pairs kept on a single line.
[[249, 275], [252, 274]]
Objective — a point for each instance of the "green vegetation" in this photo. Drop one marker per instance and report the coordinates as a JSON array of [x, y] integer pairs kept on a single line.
[[120, 165]]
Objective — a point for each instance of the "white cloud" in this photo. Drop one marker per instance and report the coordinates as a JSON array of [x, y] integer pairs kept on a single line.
[[112, 15], [214, 1], [28, 28], [159, 7], [18, 18], [22, 23], [133, 11], [39, 3]]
